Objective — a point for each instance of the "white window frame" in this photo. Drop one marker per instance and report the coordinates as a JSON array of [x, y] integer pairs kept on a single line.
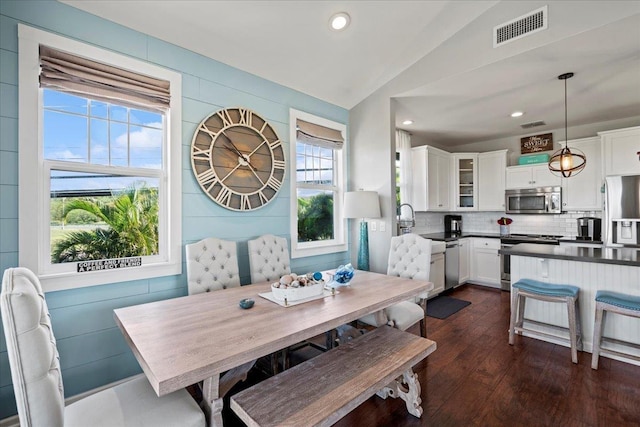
[[34, 226], [339, 242]]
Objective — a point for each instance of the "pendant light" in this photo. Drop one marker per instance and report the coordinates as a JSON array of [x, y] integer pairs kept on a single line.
[[566, 162]]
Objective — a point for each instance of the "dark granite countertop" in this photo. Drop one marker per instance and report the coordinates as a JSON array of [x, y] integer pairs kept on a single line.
[[576, 240], [448, 237], [619, 256]]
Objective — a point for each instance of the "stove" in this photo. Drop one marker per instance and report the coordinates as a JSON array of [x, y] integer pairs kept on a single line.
[[514, 239], [546, 239]]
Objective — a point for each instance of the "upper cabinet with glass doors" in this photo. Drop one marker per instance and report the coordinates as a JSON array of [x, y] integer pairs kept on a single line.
[[465, 181]]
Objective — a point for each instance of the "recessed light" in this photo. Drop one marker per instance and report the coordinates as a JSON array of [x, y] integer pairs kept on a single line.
[[407, 122], [517, 114], [340, 21]]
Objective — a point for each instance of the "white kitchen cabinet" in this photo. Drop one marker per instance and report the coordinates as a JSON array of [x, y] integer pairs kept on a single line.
[[531, 176], [465, 179], [440, 188], [621, 151], [518, 177], [491, 180], [431, 179], [485, 262], [581, 192], [436, 274], [465, 257]]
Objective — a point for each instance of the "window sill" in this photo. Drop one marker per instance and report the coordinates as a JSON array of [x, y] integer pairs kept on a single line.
[[62, 281], [314, 249]]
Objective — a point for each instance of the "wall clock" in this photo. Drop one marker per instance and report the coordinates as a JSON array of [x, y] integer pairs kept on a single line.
[[238, 159]]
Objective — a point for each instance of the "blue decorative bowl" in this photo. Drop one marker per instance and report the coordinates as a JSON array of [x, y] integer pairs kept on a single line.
[[246, 303], [344, 274]]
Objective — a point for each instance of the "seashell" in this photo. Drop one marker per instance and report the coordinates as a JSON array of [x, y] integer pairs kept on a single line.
[[276, 285], [286, 279], [295, 284], [294, 276], [303, 280]]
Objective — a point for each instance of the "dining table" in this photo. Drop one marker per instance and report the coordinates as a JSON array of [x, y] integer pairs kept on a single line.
[[181, 341]]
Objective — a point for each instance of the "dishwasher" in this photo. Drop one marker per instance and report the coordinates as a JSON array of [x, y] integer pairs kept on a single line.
[[451, 265]]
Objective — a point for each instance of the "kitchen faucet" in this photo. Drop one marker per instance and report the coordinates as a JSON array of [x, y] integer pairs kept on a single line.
[[405, 225]]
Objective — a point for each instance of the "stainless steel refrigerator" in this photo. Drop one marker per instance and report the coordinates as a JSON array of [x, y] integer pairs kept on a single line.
[[622, 211]]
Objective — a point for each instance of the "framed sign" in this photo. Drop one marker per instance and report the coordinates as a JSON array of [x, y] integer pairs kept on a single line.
[[536, 143]]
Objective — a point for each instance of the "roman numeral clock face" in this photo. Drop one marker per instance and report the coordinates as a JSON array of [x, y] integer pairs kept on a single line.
[[238, 159]]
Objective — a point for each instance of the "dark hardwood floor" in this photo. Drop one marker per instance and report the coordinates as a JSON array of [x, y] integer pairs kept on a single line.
[[476, 378]]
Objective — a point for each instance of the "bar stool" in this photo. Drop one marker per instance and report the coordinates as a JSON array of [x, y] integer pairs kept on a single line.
[[613, 302], [528, 288]]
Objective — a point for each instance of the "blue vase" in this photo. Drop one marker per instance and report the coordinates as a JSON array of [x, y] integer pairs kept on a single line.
[[363, 251]]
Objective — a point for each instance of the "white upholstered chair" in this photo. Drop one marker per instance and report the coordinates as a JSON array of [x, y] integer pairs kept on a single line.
[[409, 257], [212, 264], [268, 258], [37, 379], [268, 261]]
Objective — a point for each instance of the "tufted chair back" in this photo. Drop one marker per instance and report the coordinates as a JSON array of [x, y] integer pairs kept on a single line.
[[410, 257], [212, 264], [268, 258], [32, 351]]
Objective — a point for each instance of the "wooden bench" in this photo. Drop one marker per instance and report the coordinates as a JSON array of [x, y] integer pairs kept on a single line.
[[322, 390]]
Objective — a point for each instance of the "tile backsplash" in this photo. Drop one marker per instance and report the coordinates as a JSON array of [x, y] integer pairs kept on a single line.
[[486, 222]]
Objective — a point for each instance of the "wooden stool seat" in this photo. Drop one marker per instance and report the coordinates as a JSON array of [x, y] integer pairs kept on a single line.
[[567, 294], [614, 302]]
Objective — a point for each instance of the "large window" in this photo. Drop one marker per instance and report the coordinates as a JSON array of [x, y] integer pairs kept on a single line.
[[99, 164], [317, 185]]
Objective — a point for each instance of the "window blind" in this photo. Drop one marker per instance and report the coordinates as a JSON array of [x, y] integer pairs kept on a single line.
[[321, 136], [69, 73]]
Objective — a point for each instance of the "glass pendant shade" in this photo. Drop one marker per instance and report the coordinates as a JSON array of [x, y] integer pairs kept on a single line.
[[566, 162]]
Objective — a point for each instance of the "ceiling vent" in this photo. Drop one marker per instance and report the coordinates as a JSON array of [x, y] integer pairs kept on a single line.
[[522, 26], [532, 124]]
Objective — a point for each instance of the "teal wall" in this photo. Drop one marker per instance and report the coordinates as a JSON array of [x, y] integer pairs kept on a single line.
[[92, 350]]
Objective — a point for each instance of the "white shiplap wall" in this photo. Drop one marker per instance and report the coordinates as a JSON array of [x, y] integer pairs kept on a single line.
[[589, 277]]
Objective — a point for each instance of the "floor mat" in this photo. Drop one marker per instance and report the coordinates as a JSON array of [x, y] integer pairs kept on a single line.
[[443, 306]]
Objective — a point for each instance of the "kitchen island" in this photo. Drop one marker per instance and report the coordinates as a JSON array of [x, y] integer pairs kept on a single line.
[[591, 269]]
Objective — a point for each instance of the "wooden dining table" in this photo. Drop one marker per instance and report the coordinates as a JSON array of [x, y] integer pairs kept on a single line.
[[181, 341]]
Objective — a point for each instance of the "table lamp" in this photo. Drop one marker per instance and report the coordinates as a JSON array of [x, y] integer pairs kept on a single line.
[[362, 204]]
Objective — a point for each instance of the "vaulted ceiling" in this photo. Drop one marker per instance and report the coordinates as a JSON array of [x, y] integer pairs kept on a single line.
[[289, 42]]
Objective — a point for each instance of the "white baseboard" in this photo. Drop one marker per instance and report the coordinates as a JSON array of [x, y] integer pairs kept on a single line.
[[13, 421], [587, 349]]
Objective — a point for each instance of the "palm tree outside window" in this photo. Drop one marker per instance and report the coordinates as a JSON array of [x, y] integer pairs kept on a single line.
[[95, 214]]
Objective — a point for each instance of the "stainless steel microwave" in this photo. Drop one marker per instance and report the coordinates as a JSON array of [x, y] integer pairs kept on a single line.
[[542, 200]]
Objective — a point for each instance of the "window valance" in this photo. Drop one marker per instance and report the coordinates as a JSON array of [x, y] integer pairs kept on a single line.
[[321, 136], [66, 72]]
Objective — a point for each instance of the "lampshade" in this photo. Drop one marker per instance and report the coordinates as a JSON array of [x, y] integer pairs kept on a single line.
[[361, 204]]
